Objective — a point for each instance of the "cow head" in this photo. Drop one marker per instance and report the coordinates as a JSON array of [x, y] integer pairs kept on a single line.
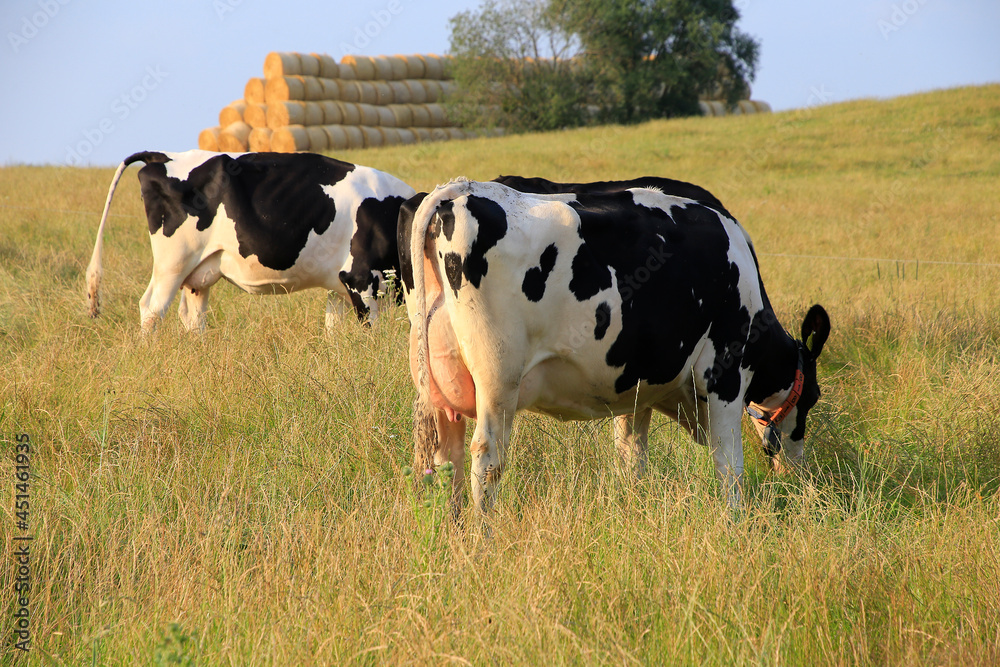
[[815, 331]]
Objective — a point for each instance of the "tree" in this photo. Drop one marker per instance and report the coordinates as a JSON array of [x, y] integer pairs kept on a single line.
[[653, 58], [514, 68], [539, 64]]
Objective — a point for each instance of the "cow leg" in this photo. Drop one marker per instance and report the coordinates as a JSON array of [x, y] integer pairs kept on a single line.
[[194, 295], [631, 436], [336, 308], [156, 300], [488, 447], [725, 440], [194, 308], [436, 441]]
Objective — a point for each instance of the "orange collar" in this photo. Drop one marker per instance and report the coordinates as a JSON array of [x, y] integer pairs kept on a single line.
[[766, 417]]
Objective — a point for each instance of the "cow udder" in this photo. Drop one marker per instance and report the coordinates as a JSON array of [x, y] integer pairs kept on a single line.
[[451, 385]]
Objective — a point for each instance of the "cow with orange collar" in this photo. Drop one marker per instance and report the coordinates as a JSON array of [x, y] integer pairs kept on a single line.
[[587, 305]]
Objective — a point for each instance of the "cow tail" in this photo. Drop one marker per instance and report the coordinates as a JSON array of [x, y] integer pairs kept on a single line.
[[94, 268], [418, 239]]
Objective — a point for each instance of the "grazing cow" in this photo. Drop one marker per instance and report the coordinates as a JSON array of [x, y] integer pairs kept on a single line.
[[630, 437], [270, 223], [583, 306]]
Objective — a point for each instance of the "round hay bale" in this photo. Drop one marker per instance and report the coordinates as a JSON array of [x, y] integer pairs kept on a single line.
[[364, 66], [439, 134], [328, 67], [747, 107], [282, 114], [406, 135], [290, 139], [421, 116], [281, 64], [314, 114], [310, 64], [432, 90], [383, 92], [234, 138], [350, 91], [439, 117], [367, 92], [762, 107], [433, 67], [414, 67], [350, 114], [336, 137], [400, 93], [260, 140], [208, 139], [369, 114], [399, 67], [255, 115], [718, 108], [232, 113], [704, 108], [391, 136], [253, 92], [385, 117], [347, 71], [418, 94], [284, 88], [331, 113], [373, 136], [401, 114], [317, 138], [314, 89], [331, 89], [383, 68], [455, 132], [355, 137], [422, 133]]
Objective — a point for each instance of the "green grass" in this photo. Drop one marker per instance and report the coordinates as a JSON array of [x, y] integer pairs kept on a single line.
[[236, 497]]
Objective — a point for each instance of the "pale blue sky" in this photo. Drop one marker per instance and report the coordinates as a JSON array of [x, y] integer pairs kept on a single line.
[[93, 82]]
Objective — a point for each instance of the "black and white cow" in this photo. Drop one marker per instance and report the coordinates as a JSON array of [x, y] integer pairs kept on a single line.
[[270, 223], [582, 306]]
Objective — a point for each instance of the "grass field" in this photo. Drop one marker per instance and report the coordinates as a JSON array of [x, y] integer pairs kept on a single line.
[[236, 497]]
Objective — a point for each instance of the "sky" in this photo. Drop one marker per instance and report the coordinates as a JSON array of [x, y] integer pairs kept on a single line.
[[88, 83]]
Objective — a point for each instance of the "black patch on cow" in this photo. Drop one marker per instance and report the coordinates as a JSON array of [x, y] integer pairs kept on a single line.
[[492, 219], [373, 247], [404, 230], [676, 285], [453, 270], [274, 199], [533, 285], [603, 318], [589, 275], [446, 211]]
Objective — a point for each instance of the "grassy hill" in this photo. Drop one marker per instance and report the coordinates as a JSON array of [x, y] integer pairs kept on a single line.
[[236, 497]]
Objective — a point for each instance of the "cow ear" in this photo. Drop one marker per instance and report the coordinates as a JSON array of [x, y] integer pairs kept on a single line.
[[815, 329]]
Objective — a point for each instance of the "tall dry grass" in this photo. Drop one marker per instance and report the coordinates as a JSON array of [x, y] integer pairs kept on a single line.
[[236, 497]]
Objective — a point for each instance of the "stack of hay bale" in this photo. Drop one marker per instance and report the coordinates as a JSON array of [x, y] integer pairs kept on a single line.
[[310, 102]]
